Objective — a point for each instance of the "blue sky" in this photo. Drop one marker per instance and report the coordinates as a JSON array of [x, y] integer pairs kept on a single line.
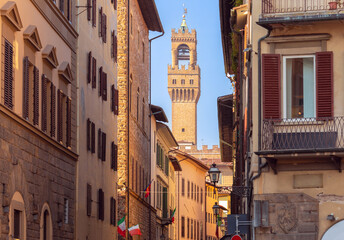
[[202, 15]]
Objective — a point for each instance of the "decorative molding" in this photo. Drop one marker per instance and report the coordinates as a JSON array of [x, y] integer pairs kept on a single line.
[[65, 72], [10, 11], [31, 35], [49, 54], [299, 38]]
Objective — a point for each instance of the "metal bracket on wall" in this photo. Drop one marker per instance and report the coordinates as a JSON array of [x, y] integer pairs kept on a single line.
[[241, 191], [337, 161], [272, 163]]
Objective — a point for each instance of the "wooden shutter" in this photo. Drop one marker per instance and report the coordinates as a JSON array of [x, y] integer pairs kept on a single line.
[[69, 122], [94, 12], [104, 91], [59, 115], [271, 73], [35, 96], [89, 67], [94, 73], [8, 75], [100, 204], [89, 200], [89, 10], [100, 90], [26, 88], [113, 211], [44, 103], [116, 101], [53, 110], [103, 147], [324, 84], [115, 47], [100, 25], [115, 4], [99, 144], [93, 138], [112, 43], [112, 98], [114, 155], [88, 139], [104, 28]]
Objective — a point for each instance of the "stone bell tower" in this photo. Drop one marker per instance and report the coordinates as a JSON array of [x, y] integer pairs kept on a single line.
[[184, 84]]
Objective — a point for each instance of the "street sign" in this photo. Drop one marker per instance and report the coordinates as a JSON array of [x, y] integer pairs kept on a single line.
[[236, 237], [238, 224]]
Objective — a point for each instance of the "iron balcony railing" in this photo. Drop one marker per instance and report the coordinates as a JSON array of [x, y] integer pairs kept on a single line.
[[303, 134], [298, 6]]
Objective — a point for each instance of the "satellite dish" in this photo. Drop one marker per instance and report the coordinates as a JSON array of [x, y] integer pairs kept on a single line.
[[335, 232]]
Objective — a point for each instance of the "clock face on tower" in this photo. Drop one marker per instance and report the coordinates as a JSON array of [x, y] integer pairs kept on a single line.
[[184, 84]]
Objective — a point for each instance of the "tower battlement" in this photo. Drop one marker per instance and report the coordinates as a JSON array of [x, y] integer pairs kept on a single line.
[[192, 69]]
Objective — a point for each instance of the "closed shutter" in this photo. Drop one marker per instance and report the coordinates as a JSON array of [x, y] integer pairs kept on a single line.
[[89, 10], [53, 111], [104, 28], [93, 138], [8, 75], [112, 43], [271, 72], [88, 139], [115, 47], [100, 25], [94, 73], [112, 98], [99, 144], [114, 154], [69, 122], [26, 88], [116, 101], [89, 68], [113, 211], [100, 90], [44, 103], [35, 96], [115, 4], [103, 147], [324, 78], [59, 115], [100, 204], [104, 81], [94, 12], [89, 200]]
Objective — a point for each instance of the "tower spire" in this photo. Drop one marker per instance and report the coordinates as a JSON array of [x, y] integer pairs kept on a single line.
[[183, 26]]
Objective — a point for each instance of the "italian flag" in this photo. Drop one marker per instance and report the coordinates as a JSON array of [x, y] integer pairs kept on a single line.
[[121, 226], [174, 211], [134, 230]]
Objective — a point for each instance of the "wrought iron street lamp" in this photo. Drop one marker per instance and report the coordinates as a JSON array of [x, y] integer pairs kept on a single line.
[[216, 209], [214, 174]]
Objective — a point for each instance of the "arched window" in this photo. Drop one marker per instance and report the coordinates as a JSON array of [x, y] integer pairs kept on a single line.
[[183, 56], [17, 217], [188, 94], [184, 94], [181, 95], [46, 232], [173, 95]]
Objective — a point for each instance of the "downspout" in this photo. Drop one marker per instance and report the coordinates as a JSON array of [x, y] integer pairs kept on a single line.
[[128, 123], [260, 165], [150, 122]]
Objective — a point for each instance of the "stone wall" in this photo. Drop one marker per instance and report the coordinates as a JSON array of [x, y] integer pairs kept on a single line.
[[39, 169]]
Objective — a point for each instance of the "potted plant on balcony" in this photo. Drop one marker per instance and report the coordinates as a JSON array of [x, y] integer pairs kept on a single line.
[[334, 4]]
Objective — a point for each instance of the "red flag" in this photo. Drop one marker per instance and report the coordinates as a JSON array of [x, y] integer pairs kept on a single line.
[[217, 231], [147, 190]]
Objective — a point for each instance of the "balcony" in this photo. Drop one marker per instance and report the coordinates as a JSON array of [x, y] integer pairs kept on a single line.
[[284, 11], [303, 135]]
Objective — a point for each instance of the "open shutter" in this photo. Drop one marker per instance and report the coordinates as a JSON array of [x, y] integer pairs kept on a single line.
[[26, 88], [100, 204], [94, 73], [89, 200], [112, 43], [93, 138], [100, 90], [104, 86], [53, 110], [35, 96], [104, 28], [88, 134], [103, 147], [115, 47], [89, 10], [116, 101], [112, 98], [111, 211], [271, 73], [94, 12], [100, 144], [115, 4], [8, 75], [100, 25], [89, 68], [59, 115], [114, 153], [44, 103], [324, 84], [69, 122]]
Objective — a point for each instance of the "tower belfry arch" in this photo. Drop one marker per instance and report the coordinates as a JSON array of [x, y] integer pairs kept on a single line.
[[184, 84]]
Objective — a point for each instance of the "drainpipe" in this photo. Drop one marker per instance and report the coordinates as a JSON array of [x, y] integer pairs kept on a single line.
[[150, 122], [128, 124]]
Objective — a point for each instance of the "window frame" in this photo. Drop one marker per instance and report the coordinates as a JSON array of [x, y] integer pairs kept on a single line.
[[284, 86]]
